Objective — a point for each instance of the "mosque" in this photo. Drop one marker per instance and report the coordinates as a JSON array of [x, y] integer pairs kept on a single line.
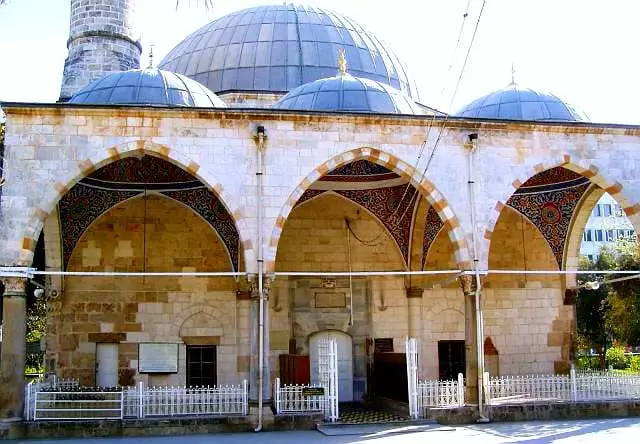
[[276, 180]]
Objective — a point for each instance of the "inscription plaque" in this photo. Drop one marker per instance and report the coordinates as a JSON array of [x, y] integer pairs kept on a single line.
[[158, 358]]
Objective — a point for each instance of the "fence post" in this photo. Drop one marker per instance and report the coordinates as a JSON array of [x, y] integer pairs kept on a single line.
[[460, 389], [140, 390], [245, 397], [277, 389], [574, 384]]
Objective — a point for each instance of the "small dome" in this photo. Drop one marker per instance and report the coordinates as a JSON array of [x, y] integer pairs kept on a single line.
[[348, 94], [276, 48], [516, 103], [151, 86]]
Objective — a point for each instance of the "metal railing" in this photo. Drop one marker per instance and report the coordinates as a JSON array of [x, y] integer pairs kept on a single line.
[[221, 400], [298, 399], [44, 401], [77, 405], [587, 386], [437, 393]]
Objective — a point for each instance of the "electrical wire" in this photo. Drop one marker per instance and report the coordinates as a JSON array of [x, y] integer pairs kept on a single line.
[[433, 117], [446, 119]]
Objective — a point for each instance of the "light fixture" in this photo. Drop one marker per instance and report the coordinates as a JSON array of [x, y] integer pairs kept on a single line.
[[38, 292]]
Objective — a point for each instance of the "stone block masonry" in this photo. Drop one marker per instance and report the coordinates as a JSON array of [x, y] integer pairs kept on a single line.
[[103, 38]]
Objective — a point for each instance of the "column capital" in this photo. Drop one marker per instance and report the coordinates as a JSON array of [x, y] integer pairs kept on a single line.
[[13, 287], [468, 284]]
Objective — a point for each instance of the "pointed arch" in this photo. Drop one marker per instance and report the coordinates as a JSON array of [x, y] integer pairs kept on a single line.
[[111, 154], [580, 166], [163, 196], [398, 166]]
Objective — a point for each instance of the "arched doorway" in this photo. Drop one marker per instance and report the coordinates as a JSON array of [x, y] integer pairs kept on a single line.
[[345, 361]]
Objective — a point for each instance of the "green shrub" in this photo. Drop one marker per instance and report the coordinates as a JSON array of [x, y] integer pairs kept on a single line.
[[615, 358], [587, 363], [634, 364]]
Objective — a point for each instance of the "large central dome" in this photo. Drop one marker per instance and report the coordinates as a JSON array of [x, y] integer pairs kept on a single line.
[[279, 47]]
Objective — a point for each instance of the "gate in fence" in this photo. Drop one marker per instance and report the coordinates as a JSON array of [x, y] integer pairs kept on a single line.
[[328, 375], [427, 393]]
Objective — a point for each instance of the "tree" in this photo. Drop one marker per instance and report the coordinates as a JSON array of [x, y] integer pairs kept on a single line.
[[592, 305], [623, 318]]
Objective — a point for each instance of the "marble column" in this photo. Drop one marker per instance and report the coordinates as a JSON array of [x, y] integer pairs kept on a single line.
[[468, 284], [12, 357], [255, 341], [414, 305]]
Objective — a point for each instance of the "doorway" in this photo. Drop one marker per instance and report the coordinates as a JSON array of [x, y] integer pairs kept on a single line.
[[451, 359], [345, 362], [201, 366], [107, 365]]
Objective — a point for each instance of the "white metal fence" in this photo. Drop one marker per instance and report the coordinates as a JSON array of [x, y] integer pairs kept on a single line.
[[43, 401], [77, 405], [441, 393], [298, 399], [222, 400], [590, 386]]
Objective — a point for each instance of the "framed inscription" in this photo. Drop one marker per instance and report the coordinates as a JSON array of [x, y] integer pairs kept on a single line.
[[330, 300], [158, 358]]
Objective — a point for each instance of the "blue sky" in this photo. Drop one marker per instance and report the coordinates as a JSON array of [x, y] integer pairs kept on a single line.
[[585, 51]]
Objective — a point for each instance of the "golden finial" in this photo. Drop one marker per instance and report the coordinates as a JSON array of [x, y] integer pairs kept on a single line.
[[342, 63], [150, 56]]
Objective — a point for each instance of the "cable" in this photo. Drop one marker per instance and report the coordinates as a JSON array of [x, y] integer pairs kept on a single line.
[[350, 271], [446, 119], [433, 117]]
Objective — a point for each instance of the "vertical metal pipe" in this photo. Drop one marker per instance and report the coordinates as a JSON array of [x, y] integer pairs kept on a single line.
[[479, 320], [259, 167]]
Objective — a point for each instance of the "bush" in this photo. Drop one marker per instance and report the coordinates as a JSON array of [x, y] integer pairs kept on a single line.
[[634, 364], [615, 358], [588, 363]]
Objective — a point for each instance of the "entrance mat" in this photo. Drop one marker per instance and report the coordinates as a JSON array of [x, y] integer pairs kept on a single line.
[[355, 413]]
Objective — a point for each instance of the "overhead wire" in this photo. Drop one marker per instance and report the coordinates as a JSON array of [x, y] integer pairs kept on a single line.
[[453, 96], [433, 117]]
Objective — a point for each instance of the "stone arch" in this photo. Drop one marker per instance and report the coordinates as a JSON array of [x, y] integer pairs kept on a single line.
[[398, 166], [193, 325], [576, 228], [162, 196], [580, 166], [111, 154], [197, 310]]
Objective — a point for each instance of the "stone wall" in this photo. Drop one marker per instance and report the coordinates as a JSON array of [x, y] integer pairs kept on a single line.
[[132, 310], [524, 314]]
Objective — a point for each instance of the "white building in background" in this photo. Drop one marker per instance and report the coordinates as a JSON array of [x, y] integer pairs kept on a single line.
[[607, 224]]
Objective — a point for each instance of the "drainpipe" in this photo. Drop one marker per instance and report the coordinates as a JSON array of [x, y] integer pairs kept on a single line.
[[259, 172], [479, 321]]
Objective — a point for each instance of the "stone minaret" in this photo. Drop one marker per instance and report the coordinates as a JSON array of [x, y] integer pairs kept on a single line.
[[103, 38]]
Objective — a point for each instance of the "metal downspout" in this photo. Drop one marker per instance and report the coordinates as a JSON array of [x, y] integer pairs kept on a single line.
[[259, 168], [479, 321]]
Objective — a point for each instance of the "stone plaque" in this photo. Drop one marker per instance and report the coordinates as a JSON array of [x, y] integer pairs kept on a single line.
[[330, 300], [158, 358]]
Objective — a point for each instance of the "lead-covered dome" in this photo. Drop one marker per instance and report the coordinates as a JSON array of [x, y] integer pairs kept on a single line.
[[280, 47], [516, 103], [348, 94], [151, 87]]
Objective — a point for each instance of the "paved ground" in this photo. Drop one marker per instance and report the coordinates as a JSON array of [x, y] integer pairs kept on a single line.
[[558, 432]]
